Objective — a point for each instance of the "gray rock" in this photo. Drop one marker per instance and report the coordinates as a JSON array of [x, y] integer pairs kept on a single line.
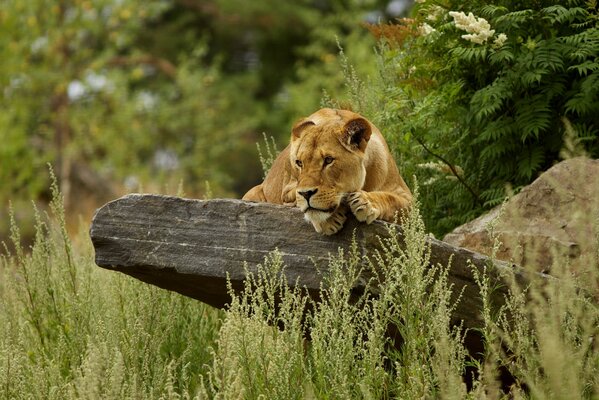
[[554, 218], [191, 246]]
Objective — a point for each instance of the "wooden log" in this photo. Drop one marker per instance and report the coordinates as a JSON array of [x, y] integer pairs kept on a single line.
[[190, 246]]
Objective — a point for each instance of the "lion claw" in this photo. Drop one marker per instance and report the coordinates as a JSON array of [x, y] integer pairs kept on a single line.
[[332, 225], [362, 207]]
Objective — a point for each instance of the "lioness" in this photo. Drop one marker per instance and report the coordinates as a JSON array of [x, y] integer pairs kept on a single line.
[[337, 161]]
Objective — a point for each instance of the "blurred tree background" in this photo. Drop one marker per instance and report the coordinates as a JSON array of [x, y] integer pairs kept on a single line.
[[135, 95], [475, 99]]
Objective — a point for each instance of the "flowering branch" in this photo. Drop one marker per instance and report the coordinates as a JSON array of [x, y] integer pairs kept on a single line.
[[479, 29]]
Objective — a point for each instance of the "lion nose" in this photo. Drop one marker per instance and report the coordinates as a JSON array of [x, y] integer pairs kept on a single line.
[[306, 194]]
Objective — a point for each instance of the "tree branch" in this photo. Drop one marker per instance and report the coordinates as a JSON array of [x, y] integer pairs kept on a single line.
[[453, 171]]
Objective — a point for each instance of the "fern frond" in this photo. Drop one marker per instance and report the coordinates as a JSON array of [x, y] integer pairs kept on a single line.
[[490, 11], [470, 54], [497, 150], [586, 101], [532, 77], [554, 88], [515, 18], [493, 196], [496, 129], [530, 163], [558, 14], [533, 116], [549, 57], [584, 68], [489, 99], [502, 57]]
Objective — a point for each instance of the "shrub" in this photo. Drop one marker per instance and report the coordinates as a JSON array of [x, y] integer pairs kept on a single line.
[[479, 98]]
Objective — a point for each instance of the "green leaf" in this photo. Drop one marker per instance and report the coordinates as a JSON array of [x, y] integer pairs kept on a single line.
[[584, 68], [558, 14]]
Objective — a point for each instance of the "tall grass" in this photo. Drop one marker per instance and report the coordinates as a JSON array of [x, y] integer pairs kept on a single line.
[[349, 354], [542, 342], [546, 333], [69, 329]]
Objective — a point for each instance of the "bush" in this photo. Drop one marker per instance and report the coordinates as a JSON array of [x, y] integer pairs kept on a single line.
[[478, 99], [69, 329]]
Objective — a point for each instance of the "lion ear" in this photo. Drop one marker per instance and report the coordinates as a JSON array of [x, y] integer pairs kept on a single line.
[[298, 128], [357, 133]]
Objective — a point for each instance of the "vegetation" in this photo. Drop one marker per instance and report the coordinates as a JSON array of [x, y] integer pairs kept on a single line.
[[477, 99], [72, 330]]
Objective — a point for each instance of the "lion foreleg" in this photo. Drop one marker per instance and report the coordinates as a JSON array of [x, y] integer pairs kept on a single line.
[[334, 223], [368, 206], [255, 194], [288, 193]]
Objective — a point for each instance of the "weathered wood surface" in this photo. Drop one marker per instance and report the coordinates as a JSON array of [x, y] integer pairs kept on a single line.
[[190, 246]]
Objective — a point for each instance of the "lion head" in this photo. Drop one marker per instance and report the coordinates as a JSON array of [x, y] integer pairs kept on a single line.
[[327, 153]]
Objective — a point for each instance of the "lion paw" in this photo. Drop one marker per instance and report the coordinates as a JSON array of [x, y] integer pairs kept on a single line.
[[332, 225], [362, 207]]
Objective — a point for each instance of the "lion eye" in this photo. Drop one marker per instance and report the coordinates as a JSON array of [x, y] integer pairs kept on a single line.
[[328, 160], [299, 163]]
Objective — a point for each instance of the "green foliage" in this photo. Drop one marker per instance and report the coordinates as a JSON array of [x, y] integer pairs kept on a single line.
[[270, 153], [81, 89], [497, 108], [71, 330]]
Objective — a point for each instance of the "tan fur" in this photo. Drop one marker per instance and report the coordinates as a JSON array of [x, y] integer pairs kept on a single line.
[[362, 176]]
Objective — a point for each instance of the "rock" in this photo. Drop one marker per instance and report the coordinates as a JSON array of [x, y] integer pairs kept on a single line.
[[191, 246], [555, 217]]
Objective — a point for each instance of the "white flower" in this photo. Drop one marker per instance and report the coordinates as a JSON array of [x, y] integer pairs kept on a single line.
[[76, 90], [420, 1], [479, 30], [146, 100], [477, 37], [434, 13], [96, 82], [443, 168], [431, 165], [499, 40], [430, 181], [425, 29], [39, 44]]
